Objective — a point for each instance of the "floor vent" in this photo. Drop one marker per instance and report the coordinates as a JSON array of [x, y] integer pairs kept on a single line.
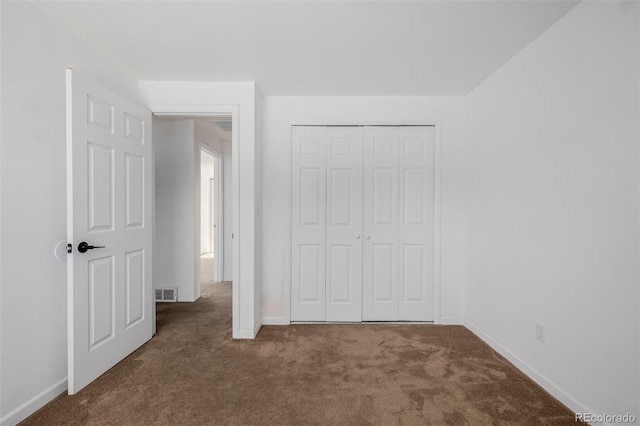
[[166, 295]]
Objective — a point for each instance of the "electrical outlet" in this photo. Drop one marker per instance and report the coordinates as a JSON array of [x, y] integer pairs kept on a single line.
[[540, 331]]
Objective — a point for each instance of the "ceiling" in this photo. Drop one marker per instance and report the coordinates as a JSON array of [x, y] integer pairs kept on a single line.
[[314, 47]]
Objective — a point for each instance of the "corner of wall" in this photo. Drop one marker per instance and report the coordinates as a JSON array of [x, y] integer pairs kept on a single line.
[[258, 179], [34, 404], [547, 384]]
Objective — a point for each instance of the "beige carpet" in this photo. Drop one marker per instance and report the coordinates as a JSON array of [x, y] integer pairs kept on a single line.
[[192, 373], [206, 269]]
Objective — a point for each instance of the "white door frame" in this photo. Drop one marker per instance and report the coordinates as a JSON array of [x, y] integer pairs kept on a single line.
[[437, 195], [218, 235], [210, 111]]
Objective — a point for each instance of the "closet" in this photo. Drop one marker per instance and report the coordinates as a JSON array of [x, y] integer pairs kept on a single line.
[[362, 223]]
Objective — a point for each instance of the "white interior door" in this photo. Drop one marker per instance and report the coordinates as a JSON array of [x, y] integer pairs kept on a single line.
[[109, 206], [217, 219], [380, 249], [308, 245], [416, 223], [344, 224], [212, 214]]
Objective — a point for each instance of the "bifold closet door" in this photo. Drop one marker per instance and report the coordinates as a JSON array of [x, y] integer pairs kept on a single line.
[[416, 210], [399, 182], [380, 249], [308, 199], [363, 223], [326, 273], [344, 224]]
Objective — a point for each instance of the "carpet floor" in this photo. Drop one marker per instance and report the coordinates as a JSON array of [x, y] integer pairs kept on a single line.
[[206, 269], [193, 373]]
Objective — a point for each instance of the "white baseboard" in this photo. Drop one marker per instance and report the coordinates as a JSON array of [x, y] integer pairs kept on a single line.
[[275, 321], [559, 393], [248, 334], [34, 404], [450, 321], [244, 334]]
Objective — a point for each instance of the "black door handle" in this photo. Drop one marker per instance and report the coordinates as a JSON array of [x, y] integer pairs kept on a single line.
[[83, 247]]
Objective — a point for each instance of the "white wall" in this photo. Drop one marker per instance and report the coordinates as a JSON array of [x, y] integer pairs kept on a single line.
[[239, 98], [227, 162], [33, 323], [553, 209], [258, 232], [278, 111], [175, 175], [210, 135]]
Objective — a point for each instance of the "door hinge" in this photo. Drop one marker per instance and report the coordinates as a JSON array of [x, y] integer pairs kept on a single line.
[[69, 248]]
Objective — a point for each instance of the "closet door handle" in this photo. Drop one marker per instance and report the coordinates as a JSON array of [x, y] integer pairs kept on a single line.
[[368, 237], [357, 237]]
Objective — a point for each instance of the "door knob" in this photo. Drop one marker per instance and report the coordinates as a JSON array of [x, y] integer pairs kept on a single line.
[[83, 247], [367, 236], [357, 237]]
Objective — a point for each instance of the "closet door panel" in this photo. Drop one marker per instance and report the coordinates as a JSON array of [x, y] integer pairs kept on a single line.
[[308, 254], [416, 225], [380, 245], [344, 224]]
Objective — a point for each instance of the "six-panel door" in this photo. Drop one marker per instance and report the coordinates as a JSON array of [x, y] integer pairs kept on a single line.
[[308, 201], [344, 224], [109, 206], [381, 244], [416, 223]]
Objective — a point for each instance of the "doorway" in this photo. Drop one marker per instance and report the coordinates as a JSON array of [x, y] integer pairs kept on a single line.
[[232, 219], [211, 216], [183, 143]]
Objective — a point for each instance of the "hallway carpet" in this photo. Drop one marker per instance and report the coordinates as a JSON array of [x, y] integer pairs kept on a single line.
[[206, 268], [193, 373]]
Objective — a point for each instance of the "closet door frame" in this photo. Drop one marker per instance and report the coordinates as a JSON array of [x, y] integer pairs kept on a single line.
[[291, 123]]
